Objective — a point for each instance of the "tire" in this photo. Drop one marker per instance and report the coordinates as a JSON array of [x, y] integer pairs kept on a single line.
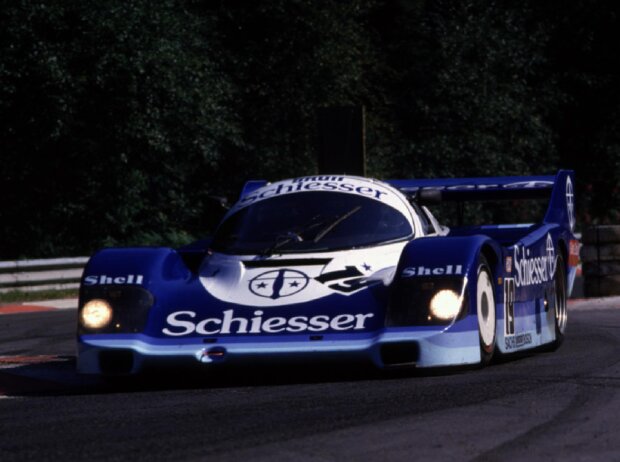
[[560, 302], [485, 311]]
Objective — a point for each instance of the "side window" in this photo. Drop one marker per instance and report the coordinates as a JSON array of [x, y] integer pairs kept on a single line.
[[424, 221]]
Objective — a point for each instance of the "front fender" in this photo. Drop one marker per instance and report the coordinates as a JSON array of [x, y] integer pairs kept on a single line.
[[447, 256], [147, 267], [428, 265], [132, 281]]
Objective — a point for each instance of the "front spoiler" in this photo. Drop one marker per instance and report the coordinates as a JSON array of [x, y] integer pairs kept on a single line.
[[393, 347]]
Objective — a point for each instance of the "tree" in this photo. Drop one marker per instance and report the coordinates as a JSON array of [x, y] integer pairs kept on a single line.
[[113, 115], [470, 90]]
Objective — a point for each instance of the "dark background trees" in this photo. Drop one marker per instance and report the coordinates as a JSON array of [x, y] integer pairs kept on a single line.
[[120, 118]]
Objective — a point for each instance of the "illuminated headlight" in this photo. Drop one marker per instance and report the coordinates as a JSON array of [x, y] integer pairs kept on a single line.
[[445, 305], [96, 314]]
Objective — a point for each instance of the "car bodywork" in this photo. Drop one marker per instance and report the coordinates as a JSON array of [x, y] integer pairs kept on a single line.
[[352, 284]]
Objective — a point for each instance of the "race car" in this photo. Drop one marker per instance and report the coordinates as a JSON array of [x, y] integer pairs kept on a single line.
[[340, 268]]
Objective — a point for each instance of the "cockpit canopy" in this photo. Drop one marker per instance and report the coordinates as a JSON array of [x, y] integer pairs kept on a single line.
[[310, 222]]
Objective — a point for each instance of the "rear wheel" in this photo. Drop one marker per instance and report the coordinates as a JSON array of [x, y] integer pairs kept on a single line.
[[485, 309]]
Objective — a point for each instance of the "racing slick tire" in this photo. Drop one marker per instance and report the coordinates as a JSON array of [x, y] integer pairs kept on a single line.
[[560, 303], [485, 311]]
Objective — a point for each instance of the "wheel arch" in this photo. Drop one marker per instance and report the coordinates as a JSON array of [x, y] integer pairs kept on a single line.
[[491, 256], [563, 248]]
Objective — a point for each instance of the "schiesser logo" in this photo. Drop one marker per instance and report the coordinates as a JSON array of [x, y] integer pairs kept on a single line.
[[534, 270], [279, 283]]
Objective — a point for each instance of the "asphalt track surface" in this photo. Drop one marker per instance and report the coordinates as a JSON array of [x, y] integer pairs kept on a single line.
[[546, 406]]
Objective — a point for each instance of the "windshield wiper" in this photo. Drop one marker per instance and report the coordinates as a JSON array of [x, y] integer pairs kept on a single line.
[[321, 234], [297, 236], [282, 240]]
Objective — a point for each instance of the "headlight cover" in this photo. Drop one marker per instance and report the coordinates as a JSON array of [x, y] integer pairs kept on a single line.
[[424, 301], [445, 305], [129, 309], [96, 314]]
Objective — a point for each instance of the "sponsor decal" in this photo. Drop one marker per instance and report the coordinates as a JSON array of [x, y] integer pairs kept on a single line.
[[285, 282], [517, 341], [264, 283], [279, 283], [316, 183], [129, 279], [284, 286], [306, 179], [529, 184], [534, 270], [508, 265], [182, 323], [509, 306], [570, 203], [534, 184], [448, 270], [346, 281]]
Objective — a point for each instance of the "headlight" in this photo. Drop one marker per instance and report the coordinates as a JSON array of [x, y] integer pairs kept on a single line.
[[445, 305], [96, 314]]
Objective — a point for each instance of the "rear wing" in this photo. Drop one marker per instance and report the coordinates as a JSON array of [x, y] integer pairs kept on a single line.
[[559, 189]]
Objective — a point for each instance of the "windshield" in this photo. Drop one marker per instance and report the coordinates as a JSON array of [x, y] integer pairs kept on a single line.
[[310, 222]]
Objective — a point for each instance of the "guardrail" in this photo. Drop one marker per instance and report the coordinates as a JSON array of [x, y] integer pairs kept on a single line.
[[43, 274], [601, 260]]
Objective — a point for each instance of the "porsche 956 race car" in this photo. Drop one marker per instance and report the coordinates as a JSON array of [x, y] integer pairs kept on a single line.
[[339, 268]]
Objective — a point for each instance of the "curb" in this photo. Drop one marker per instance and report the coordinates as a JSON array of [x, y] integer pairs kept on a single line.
[[39, 306]]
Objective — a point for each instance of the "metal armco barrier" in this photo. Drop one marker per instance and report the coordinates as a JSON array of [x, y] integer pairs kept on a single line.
[[600, 255], [48, 274]]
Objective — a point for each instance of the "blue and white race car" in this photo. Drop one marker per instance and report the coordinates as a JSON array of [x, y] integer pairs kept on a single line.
[[343, 268]]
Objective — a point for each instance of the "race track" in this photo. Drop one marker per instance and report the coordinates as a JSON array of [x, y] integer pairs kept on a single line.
[[547, 406]]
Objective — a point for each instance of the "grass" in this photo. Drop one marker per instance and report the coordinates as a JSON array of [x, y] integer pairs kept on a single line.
[[17, 296]]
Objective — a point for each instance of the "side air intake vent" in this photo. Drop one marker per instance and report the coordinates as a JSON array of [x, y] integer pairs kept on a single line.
[[400, 354]]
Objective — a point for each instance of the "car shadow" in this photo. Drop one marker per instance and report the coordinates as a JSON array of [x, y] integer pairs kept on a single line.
[[59, 377]]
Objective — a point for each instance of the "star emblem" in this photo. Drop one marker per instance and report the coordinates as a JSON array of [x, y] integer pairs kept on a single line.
[[278, 283], [366, 267]]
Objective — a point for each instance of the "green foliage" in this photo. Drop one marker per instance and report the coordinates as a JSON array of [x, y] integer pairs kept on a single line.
[[586, 55], [287, 59], [17, 296], [470, 93], [115, 113], [121, 118]]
